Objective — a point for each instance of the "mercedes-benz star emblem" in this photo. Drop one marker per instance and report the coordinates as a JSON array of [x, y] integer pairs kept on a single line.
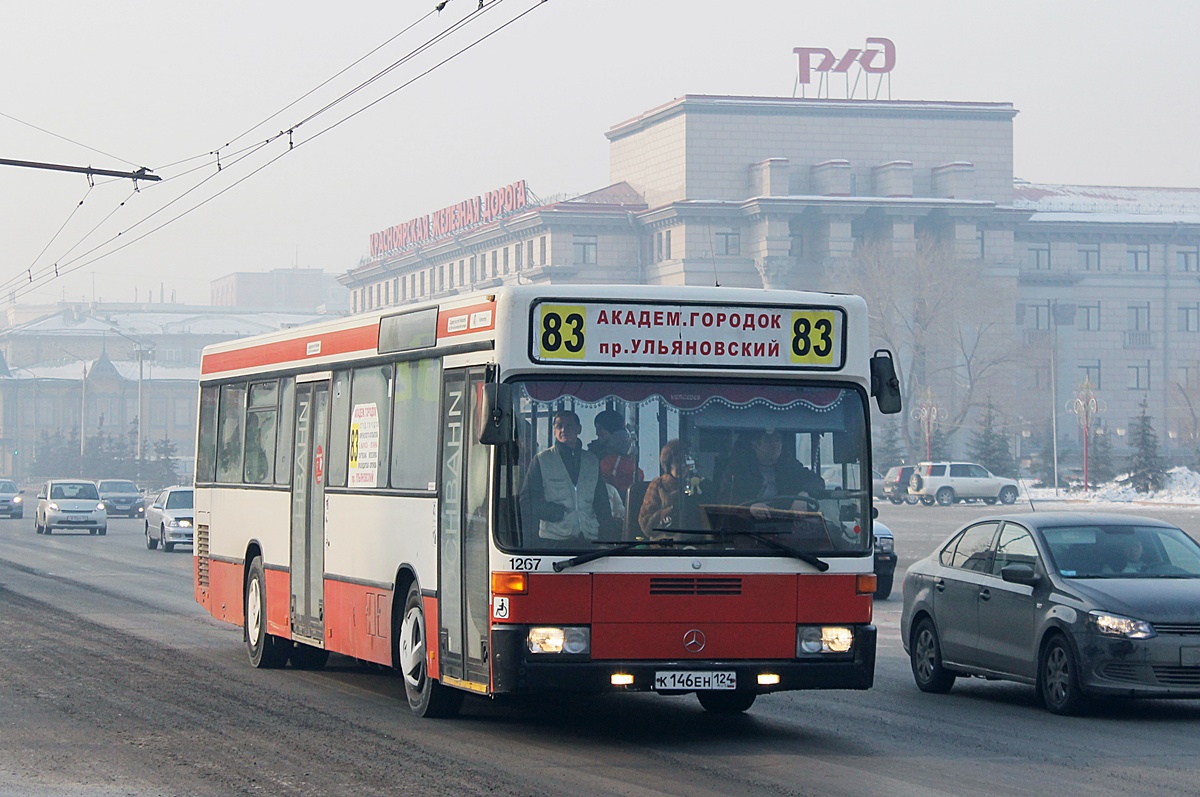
[[693, 641]]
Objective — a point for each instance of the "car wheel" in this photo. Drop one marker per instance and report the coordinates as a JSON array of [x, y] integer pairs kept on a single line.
[[945, 496], [732, 702], [162, 540], [926, 659], [47, 530], [1008, 495], [911, 500], [37, 527], [151, 542], [883, 587], [103, 530], [307, 657], [426, 697], [92, 532], [990, 501], [916, 482], [895, 499], [1058, 679], [927, 500], [266, 651]]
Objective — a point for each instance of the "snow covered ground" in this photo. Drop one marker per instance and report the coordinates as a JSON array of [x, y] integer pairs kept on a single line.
[[1182, 489]]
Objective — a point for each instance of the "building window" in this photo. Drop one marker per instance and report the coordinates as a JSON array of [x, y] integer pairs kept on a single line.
[[1041, 315], [1089, 370], [422, 284], [542, 251], [1139, 258], [1189, 317], [667, 245], [529, 251], [354, 301], [387, 293], [1139, 316], [1089, 257], [518, 250], [396, 289], [1187, 258], [474, 271], [729, 243], [981, 240], [1039, 257], [1139, 376], [495, 264], [1090, 314], [585, 250], [1041, 377]]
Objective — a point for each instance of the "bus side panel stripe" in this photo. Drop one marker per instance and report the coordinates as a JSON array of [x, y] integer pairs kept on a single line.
[[364, 339], [358, 621], [224, 598]]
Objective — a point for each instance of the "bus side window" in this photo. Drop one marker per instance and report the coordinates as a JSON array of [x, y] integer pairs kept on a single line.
[[206, 446], [260, 432], [369, 425], [339, 432], [283, 449], [229, 442], [415, 422]]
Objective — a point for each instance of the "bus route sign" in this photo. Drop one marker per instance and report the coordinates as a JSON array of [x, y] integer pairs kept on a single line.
[[700, 335]]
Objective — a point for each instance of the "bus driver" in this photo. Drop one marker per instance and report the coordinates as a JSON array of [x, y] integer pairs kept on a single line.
[[563, 491]]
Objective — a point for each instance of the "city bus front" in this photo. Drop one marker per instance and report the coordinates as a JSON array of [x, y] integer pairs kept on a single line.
[[707, 535]]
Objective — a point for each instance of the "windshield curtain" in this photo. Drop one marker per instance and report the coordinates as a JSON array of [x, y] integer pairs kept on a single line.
[[721, 466]]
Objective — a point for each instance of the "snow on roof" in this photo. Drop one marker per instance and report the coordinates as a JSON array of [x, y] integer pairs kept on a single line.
[[128, 370], [233, 324], [1122, 203]]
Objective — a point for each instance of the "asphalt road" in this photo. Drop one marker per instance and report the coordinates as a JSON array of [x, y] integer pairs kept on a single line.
[[113, 682]]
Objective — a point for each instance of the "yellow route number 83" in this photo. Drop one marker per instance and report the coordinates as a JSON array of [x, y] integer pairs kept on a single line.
[[562, 332], [815, 337]]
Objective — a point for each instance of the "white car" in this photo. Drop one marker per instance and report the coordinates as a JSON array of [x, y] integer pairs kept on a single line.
[[69, 504], [169, 519], [948, 483]]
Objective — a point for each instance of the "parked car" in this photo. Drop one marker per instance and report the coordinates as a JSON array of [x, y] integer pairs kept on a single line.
[[1079, 605], [69, 504], [12, 502], [876, 484], [169, 519], [121, 497], [885, 560], [950, 482], [895, 484]]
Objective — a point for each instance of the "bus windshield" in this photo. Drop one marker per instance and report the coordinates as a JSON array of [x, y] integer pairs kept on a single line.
[[730, 467]]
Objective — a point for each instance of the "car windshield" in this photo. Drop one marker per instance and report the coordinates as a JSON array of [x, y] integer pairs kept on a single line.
[[1122, 551], [81, 491], [179, 499], [747, 468], [115, 486], [7, 488]]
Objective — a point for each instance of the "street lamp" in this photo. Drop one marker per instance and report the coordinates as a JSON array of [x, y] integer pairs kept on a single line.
[[927, 413], [82, 406], [141, 349], [1086, 407]]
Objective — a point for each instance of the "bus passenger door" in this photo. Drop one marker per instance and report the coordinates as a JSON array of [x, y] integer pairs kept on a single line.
[[464, 586], [311, 432]]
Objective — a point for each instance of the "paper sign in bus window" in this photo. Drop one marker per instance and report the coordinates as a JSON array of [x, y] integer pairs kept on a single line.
[[364, 446]]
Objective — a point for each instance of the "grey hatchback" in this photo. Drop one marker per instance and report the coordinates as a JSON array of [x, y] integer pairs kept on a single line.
[[1080, 605]]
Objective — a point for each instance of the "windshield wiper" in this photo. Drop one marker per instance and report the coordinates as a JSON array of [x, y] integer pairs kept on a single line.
[[592, 556], [765, 538]]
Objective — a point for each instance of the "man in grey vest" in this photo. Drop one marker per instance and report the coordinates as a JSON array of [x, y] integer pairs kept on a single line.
[[563, 492]]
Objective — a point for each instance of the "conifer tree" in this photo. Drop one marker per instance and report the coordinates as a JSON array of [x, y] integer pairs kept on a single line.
[[1101, 467], [1146, 470], [989, 447], [889, 450]]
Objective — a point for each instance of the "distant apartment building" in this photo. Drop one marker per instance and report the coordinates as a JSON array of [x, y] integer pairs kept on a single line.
[[297, 290]]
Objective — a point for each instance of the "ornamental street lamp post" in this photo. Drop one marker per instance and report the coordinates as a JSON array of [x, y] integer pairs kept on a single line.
[[927, 412], [1086, 407]]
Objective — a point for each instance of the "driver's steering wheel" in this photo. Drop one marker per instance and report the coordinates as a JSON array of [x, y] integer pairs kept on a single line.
[[785, 502]]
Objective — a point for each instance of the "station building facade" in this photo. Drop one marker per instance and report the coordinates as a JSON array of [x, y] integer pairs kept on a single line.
[[990, 289]]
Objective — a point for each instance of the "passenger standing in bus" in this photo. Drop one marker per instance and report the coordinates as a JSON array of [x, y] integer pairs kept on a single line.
[[616, 450], [667, 503], [563, 491]]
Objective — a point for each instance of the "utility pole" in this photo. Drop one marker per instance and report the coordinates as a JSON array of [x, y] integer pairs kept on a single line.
[[141, 174]]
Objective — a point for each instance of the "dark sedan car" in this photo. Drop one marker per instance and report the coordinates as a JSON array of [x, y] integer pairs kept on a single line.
[[885, 560], [1079, 605]]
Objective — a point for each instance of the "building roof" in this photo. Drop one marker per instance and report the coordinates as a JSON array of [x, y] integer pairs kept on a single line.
[[71, 370], [1103, 203], [186, 320]]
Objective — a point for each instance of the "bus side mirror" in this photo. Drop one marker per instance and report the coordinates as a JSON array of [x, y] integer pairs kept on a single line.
[[494, 421], [885, 387]]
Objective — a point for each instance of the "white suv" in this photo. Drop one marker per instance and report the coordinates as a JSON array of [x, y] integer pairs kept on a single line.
[[950, 482]]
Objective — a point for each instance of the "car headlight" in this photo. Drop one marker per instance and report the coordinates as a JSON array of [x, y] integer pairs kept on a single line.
[[17, 499], [1116, 625], [572, 639], [100, 506], [815, 640], [53, 507], [885, 544], [187, 524]]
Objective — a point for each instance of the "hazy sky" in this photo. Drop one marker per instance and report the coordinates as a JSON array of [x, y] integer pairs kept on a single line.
[[1106, 93]]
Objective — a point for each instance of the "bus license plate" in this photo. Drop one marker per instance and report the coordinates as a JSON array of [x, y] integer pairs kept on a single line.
[[677, 679]]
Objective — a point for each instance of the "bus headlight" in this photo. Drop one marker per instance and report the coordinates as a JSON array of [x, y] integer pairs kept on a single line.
[[572, 640], [815, 640]]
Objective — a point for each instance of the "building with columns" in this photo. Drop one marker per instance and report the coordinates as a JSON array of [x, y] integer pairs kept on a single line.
[[989, 289]]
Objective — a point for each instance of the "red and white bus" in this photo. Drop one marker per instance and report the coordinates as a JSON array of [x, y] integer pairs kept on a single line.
[[367, 486]]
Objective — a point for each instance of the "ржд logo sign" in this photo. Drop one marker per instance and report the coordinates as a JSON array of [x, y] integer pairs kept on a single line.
[[867, 58]]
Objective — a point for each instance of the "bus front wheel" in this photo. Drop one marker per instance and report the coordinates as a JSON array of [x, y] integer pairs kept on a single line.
[[426, 697], [266, 651]]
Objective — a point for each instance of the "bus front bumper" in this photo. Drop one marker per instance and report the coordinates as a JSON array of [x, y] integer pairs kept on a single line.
[[516, 671]]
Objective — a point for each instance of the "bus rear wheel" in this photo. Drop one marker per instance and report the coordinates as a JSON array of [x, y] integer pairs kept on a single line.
[[726, 702], [426, 697], [266, 651]]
